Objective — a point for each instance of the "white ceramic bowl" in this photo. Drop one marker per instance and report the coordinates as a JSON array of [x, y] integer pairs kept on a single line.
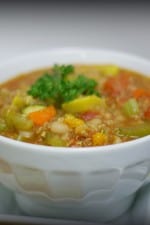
[[95, 183]]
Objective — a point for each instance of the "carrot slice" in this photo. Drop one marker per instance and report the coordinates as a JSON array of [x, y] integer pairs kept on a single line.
[[42, 116], [140, 93]]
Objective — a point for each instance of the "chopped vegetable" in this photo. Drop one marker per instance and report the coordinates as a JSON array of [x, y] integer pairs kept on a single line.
[[112, 70], [8, 117], [22, 123], [139, 130], [57, 87], [54, 140], [18, 101], [33, 108], [130, 107], [59, 127], [89, 115], [83, 104], [140, 93], [99, 138], [43, 115], [17, 121], [3, 126], [72, 121]]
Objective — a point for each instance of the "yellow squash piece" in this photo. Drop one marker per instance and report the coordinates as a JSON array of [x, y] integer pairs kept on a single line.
[[110, 70], [72, 121], [99, 139], [18, 101], [83, 104]]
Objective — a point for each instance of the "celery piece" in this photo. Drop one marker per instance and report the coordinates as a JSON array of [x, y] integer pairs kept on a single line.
[[32, 108], [3, 125], [130, 107], [9, 118], [17, 121], [54, 140], [20, 122], [139, 130]]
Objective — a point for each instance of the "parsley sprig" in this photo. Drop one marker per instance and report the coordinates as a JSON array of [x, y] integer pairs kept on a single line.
[[58, 88]]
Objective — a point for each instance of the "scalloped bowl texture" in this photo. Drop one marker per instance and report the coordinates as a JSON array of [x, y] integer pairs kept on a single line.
[[75, 183]]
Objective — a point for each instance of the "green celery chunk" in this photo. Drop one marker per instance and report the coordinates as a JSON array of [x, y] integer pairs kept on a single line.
[[32, 108], [54, 140], [17, 121], [139, 130], [20, 122], [3, 125], [130, 107]]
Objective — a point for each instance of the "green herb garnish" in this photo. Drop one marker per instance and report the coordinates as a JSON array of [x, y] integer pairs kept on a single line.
[[57, 86]]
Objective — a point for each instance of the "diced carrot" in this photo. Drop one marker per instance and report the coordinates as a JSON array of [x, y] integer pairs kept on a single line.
[[147, 114], [89, 115], [42, 116], [141, 93]]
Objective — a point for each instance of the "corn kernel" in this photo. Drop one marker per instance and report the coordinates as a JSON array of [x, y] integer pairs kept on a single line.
[[99, 139], [72, 121]]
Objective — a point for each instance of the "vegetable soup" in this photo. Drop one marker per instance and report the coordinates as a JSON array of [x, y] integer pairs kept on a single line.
[[76, 106]]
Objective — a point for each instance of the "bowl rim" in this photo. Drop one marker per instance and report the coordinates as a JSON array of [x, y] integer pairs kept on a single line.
[[74, 150], [68, 50]]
